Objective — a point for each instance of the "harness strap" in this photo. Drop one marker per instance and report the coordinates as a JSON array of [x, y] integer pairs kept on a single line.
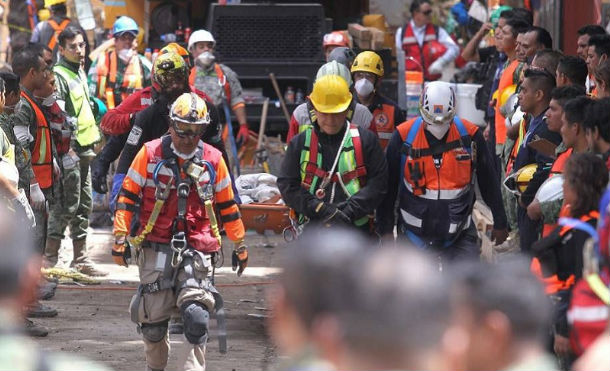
[[57, 29]]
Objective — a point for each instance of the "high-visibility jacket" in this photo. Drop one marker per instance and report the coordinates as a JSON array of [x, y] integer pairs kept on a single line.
[[589, 311], [139, 186], [386, 116], [557, 169], [430, 51], [350, 171], [553, 283], [87, 132], [513, 153], [42, 152], [436, 197], [133, 77], [510, 76]]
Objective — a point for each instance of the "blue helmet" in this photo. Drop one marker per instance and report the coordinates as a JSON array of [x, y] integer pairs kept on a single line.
[[124, 24]]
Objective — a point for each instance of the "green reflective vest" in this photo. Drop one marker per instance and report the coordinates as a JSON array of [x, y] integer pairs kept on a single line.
[[348, 167], [87, 132]]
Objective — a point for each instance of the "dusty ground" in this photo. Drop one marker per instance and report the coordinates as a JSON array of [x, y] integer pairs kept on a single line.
[[93, 320]]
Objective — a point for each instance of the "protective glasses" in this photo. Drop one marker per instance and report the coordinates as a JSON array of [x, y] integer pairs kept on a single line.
[[186, 130], [427, 12]]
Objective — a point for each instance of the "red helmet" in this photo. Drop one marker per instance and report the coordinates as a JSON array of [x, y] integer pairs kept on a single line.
[[335, 38]]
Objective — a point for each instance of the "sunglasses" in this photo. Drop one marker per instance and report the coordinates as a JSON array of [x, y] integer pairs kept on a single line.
[[427, 12], [184, 130]]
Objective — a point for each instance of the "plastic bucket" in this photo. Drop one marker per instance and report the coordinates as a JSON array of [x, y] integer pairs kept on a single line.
[[466, 109]]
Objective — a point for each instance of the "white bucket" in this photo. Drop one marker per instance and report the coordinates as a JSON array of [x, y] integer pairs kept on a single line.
[[466, 109]]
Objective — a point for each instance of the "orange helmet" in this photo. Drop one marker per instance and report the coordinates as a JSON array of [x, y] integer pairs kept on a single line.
[[335, 38], [176, 48]]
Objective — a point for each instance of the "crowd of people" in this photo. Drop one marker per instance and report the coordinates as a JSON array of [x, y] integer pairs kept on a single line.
[[357, 173]]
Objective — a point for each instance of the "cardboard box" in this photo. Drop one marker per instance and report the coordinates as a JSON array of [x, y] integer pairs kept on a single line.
[[363, 44], [377, 35], [359, 32]]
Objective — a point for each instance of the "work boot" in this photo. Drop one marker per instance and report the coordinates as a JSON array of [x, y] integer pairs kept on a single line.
[[46, 290], [51, 253], [81, 261], [34, 330], [39, 310]]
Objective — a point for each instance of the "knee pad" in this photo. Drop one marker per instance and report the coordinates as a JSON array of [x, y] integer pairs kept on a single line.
[[154, 332], [196, 318]]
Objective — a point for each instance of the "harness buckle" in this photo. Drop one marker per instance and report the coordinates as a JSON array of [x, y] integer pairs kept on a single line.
[[178, 245], [183, 189]]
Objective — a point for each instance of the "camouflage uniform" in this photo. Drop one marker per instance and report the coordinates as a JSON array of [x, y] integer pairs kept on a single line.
[[22, 158], [550, 210], [25, 116], [207, 82]]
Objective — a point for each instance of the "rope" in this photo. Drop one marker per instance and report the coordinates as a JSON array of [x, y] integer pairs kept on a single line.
[[123, 288]]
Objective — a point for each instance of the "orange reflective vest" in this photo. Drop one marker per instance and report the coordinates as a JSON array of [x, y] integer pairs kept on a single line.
[[510, 76], [383, 120], [557, 169], [553, 284], [107, 77], [430, 51], [57, 29], [42, 156], [437, 195], [222, 80]]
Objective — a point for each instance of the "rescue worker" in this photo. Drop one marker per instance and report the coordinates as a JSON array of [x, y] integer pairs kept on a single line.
[[571, 70], [530, 41], [334, 40], [46, 32], [582, 47], [118, 122], [597, 52], [334, 172], [304, 116], [534, 99], [597, 128], [602, 79], [177, 180], [120, 71], [367, 72], [432, 162], [218, 81], [72, 95], [561, 253], [430, 45]]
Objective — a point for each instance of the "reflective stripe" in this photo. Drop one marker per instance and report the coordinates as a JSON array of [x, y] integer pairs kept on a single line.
[[453, 226], [429, 37], [115, 3], [588, 314], [411, 219], [222, 184], [409, 40], [383, 135], [137, 177], [151, 183], [443, 194]]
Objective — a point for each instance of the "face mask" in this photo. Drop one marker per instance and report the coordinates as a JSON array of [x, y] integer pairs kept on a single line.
[[364, 87], [205, 59], [183, 156], [438, 130], [125, 54], [48, 101]]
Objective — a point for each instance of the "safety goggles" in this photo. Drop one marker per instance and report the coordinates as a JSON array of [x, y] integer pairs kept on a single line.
[[187, 130]]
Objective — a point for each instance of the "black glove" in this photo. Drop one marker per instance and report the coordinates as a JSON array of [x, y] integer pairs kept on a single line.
[[239, 258], [99, 175], [331, 215]]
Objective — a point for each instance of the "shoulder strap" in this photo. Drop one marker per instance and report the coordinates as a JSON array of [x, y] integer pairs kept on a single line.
[[57, 29], [311, 112], [357, 142], [222, 80], [413, 132]]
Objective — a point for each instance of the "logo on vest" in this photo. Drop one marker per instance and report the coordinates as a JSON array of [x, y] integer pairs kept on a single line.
[[381, 120], [438, 108]]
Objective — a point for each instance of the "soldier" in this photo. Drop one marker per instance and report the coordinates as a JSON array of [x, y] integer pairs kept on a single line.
[[217, 80]]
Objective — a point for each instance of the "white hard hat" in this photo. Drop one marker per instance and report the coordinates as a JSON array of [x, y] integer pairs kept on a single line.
[[335, 68], [437, 104], [551, 189], [200, 36]]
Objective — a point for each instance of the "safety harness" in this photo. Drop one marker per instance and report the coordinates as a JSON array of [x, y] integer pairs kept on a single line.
[[178, 246], [57, 29]]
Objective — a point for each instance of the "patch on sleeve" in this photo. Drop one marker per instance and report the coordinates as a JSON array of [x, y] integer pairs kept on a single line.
[[134, 135]]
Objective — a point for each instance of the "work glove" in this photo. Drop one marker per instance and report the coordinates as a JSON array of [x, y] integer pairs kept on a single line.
[[99, 176], [436, 67], [242, 135], [121, 251], [37, 199], [21, 202], [239, 258], [331, 215]]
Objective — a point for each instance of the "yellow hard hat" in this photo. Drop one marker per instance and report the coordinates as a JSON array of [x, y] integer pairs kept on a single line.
[[167, 66], [524, 175], [330, 94], [44, 14], [507, 92], [368, 62], [50, 3], [189, 108]]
